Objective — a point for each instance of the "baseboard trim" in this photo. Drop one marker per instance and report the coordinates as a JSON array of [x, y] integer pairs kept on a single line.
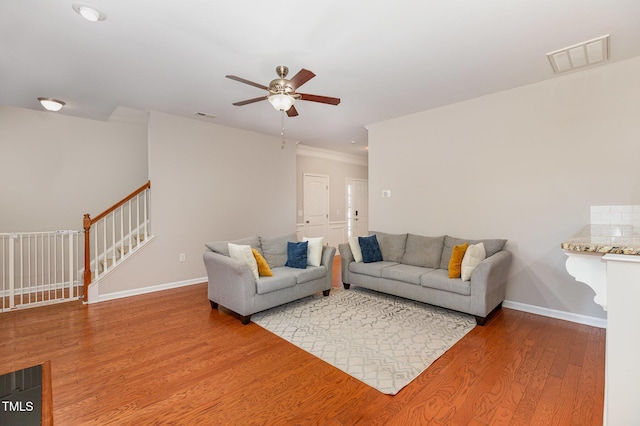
[[562, 315], [532, 309], [150, 289]]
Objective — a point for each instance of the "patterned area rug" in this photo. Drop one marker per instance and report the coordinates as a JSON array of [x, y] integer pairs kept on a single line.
[[381, 340]]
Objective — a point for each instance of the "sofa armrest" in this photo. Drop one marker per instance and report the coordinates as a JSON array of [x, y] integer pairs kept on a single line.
[[231, 282], [346, 257], [328, 254], [489, 282]]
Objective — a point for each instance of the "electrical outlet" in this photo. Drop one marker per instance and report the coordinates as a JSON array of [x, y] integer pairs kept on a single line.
[[183, 257]]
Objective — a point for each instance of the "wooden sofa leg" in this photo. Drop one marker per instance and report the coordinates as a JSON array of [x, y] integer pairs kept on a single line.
[[245, 319], [326, 292], [346, 286], [482, 320], [214, 305]]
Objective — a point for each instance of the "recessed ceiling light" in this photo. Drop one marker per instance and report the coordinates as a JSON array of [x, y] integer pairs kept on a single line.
[[89, 13], [580, 55], [51, 104]]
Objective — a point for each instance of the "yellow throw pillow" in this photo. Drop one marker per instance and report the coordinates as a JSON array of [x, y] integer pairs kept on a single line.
[[263, 266], [455, 263]]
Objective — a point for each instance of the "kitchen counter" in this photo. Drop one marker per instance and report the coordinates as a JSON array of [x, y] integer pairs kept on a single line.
[[607, 259], [603, 239]]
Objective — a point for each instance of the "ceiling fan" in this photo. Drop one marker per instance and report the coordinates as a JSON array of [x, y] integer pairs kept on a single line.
[[282, 92]]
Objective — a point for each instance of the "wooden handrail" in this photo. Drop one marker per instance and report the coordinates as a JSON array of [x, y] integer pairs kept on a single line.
[[87, 221], [121, 202]]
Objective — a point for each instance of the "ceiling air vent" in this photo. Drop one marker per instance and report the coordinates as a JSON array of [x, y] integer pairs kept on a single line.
[[205, 115], [580, 55]]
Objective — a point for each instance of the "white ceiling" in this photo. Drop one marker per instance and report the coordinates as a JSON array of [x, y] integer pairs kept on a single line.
[[384, 59]]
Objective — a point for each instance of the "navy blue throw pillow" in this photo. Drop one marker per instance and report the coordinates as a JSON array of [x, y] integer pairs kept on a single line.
[[297, 255], [370, 249]]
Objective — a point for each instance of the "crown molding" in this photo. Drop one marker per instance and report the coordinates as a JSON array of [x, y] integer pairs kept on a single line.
[[310, 151]]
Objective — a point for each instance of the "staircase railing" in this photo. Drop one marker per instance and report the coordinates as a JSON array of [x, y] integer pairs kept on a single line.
[[117, 232]]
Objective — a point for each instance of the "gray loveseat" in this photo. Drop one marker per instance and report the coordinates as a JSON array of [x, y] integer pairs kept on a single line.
[[416, 267], [233, 285]]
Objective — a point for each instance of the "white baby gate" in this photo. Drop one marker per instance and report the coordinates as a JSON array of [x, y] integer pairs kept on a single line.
[[38, 268]]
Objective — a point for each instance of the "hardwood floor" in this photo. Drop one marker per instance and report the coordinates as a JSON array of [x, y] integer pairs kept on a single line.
[[167, 358]]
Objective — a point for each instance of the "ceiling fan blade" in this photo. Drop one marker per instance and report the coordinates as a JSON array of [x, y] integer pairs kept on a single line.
[[250, 83], [301, 78], [321, 99], [250, 101], [292, 112]]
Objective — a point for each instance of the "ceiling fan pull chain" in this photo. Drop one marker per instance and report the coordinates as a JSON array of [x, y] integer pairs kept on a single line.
[[282, 113]]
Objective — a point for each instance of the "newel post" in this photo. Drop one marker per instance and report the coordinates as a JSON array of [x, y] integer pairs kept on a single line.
[[86, 223]]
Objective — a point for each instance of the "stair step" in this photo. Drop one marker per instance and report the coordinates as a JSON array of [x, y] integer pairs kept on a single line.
[[120, 252], [108, 262]]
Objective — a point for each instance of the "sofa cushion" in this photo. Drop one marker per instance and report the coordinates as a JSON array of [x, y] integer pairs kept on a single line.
[[283, 277], [423, 251], [455, 262], [314, 250], [297, 254], [391, 245], [263, 266], [310, 274], [222, 247], [354, 245], [439, 279], [274, 249], [491, 247], [370, 249], [372, 269], [472, 257], [244, 254], [405, 273]]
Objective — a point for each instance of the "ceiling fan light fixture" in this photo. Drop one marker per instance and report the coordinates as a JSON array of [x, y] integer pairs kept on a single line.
[[51, 104], [281, 101]]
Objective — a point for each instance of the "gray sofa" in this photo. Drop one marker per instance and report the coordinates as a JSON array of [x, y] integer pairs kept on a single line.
[[416, 267], [233, 285]]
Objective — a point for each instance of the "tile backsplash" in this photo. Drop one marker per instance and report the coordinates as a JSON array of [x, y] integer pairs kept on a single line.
[[616, 215]]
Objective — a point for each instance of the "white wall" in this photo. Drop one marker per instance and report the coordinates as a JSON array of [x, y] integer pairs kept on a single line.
[[524, 164], [55, 168], [208, 183]]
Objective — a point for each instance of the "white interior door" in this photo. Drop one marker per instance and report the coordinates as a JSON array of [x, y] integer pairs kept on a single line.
[[357, 207], [315, 195]]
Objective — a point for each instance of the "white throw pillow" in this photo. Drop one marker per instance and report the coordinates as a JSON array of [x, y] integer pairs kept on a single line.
[[314, 250], [475, 254], [244, 253], [355, 249]]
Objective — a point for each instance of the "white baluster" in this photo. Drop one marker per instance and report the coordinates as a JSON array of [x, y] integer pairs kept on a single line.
[[12, 272], [122, 231], [138, 218], [104, 243], [96, 268], [129, 221], [146, 215], [70, 266], [113, 238]]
